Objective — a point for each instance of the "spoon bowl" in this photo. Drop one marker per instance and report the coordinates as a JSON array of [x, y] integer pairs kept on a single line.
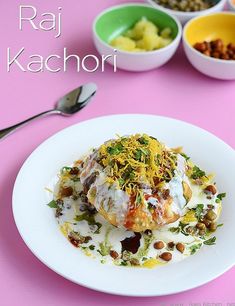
[[77, 99], [68, 105]]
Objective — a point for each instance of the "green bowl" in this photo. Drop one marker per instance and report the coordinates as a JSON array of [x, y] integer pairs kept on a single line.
[[119, 19]]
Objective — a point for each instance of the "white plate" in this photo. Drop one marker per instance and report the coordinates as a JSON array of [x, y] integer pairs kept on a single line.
[[38, 227]]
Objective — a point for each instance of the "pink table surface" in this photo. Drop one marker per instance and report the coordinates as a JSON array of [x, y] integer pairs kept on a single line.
[[175, 90]]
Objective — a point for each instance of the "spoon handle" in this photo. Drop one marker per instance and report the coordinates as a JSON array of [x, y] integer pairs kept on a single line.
[[7, 131]]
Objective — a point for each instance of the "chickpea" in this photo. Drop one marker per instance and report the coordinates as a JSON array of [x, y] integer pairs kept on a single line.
[[202, 232], [224, 56], [74, 171], [166, 256], [134, 262], [217, 45], [213, 227], [180, 247], [191, 230], [215, 54], [211, 216], [208, 45], [113, 254], [231, 46], [66, 191], [211, 188], [171, 245], [230, 53], [201, 226], [206, 222], [207, 53], [158, 245], [201, 47]]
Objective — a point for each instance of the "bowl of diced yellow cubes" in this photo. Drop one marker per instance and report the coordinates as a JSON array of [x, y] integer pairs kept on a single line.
[[141, 37]]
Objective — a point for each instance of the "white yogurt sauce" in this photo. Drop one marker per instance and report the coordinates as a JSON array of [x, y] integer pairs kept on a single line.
[[110, 237], [111, 198]]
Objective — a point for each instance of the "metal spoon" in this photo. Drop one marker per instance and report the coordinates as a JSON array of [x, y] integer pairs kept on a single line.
[[68, 105]]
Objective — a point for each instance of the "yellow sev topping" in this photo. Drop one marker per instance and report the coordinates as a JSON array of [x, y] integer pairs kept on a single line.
[[136, 160]]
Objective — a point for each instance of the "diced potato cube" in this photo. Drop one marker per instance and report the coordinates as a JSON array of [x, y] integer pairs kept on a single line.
[[165, 42], [189, 217], [166, 33], [150, 28], [130, 34], [149, 42], [123, 43], [144, 27], [140, 44]]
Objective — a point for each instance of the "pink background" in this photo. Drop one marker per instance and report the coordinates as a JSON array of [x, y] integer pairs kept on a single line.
[[175, 90]]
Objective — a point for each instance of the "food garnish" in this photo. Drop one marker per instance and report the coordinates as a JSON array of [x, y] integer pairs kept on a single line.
[[134, 202]]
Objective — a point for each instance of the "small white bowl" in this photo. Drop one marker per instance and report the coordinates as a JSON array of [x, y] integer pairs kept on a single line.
[[136, 61], [186, 16], [231, 5], [216, 68]]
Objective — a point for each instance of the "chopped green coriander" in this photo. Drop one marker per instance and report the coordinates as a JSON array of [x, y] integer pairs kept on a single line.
[[117, 149], [210, 241], [221, 196], [157, 158], [91, 247], [123, 263], [175, 230], [199, 211], [138, 155], [144, 258], [90, 220], [185, 156], [194, 248], [179, 229], [138, 199], [121, 181], [99, 225], [65, 169], [85, 216], [143, 141], [128, 174], [219, 225], [53, 204], [197, 173], [144, 151], [131, 175]]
